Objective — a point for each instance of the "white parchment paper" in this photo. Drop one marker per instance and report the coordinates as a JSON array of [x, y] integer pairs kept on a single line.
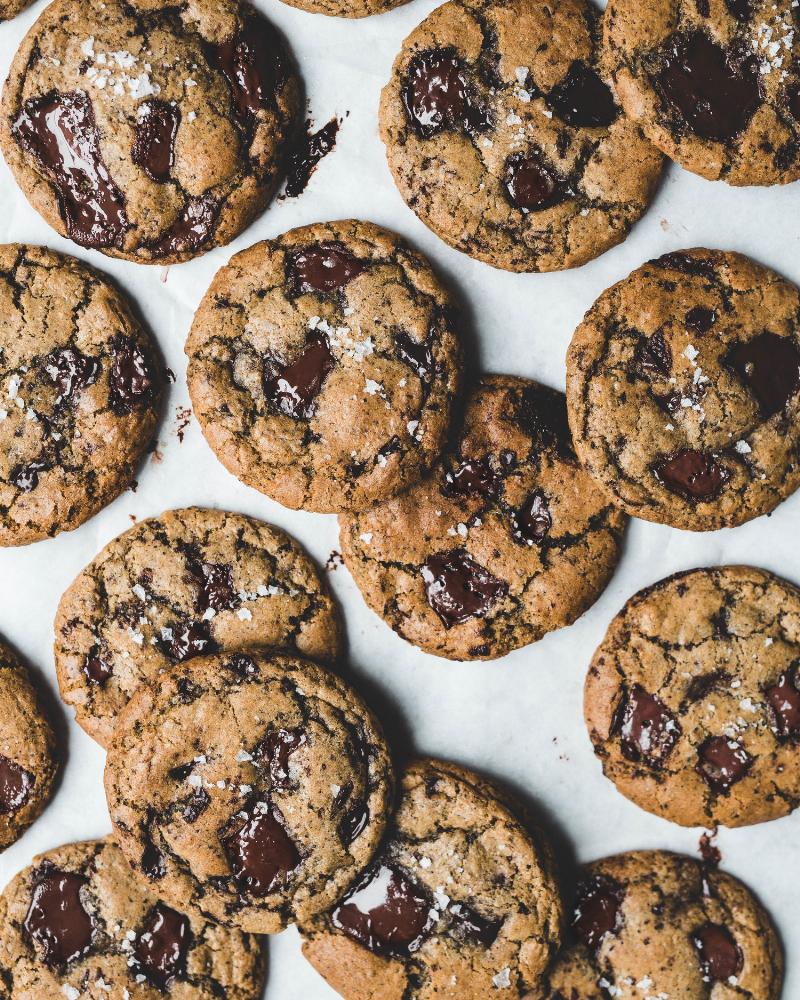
[[519, 719]]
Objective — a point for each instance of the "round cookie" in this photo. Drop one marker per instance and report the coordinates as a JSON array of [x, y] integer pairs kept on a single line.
[[650, 925], [715, 84], [692, 699], [28, 754], [505, 540], [323, 366], [79, 393], [149, 130], [78, 924], [682, 387], [346, 8], [252, 787], [504, 136], [461, 901], [173, 587], [10, 8]]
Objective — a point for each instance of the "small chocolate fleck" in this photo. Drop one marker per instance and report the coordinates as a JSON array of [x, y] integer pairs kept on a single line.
[[187, 641], [418, 357], [26, 477], [469, 925], [96, 668]]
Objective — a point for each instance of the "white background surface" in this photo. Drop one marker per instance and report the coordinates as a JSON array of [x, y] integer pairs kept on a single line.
[[519, 718]]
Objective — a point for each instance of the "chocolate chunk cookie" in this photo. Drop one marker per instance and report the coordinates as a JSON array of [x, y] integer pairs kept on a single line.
[[693, 698], [251, 787], [650, 925], [146, 129], [714, 83], [506, 539], [79, 393], [461, 901], [28, 755], [323, 366], [346, 8], [174, 587], [504, 136], [10, 8], [682, 385], [78, 924]]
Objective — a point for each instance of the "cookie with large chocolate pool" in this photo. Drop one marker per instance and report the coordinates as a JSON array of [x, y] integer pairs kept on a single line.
[[715, 84], [461, 901], [323, 366], [506, 539], [504, 135], [77, 923], [251, 787], [651, 925], [683, 385], [79, 393], [146, 129], [692, 700], [173, 587]]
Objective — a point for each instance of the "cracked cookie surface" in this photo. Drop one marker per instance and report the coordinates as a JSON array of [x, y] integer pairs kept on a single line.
[[715, 84], [149, 130], [187, 583], [460, 902], [692, 700], [505, 540], [10, 8], [79, 393], [651, 924], [77, 924], [503, 134], [683, 386], [323, 366], [250, 787], [346, 8]]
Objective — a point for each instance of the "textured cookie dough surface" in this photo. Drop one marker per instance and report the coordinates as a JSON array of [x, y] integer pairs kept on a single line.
[[79, 393], [10, 8], [682, 386], [715, 84], [149, 130], [692, 699], [650, 925], [506, 539], [28, 755], [78, 924], [176, 586], [461, 901], [504, 136], [251, 788], [323, 366], [346, 8]]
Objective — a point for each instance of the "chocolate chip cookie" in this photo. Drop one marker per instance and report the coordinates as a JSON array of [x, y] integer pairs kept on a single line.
[[693, 698], [504, 135], [10, 8], [79, 393], [461, 901], [28, 754], [682, 385], [251, 787], [506, 539], [714, 83], [149, 130], [346, 8], [323, 366], [176, 586], [651, 925], [78, 924]]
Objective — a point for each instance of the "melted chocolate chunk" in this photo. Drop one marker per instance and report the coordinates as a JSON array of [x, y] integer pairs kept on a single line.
[[715, 91], [700, 319], [386, 913], [473, 478], [188, 641], [274, 751], [154, 145], [162, 946], [96, 668], [56, 921], [720, 956], [597, 910], [60, 133], [531, 523], [130, 381], [437, 97], [260, 852], [769, 366], [458, 588], [542, 415], [418, 357], [254, 64], [26, 477], [648, 730], [742, 10], [322, 268], [15, 786], [192, 229], [722, 763], [70, 371], [702, 684], [293, 389], [354, 822], [469, 925], [694, 475], [654, 355], [305, 157], [695, 266], [216, 591], [783, 699], [196, 805], [582, 100], [793, 100], [152, 863], [532, 185], [243, 666]]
